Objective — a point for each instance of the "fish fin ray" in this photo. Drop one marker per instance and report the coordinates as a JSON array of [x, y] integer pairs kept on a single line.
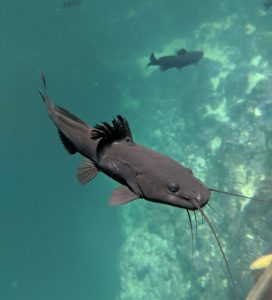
[[68, 145], [86, 171], [118, 130], [122, 195]]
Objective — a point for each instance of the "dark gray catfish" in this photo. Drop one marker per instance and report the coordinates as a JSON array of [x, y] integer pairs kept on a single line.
[[143, 173], [182, 59]]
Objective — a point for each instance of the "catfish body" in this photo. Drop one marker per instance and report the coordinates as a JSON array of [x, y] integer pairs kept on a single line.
[[182, 59], [143, 173]]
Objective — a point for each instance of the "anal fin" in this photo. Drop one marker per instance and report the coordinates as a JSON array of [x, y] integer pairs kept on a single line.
[[86, 171]]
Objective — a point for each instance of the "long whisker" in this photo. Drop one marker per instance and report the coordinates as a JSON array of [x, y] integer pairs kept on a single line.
[[197, 206], [210, 206], [192, 233], [239, 195], [195, 224]]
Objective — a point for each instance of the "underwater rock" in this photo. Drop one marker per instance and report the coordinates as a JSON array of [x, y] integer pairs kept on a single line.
[[217, 126]]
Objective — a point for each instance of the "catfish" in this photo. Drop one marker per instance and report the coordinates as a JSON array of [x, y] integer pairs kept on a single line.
[[182, 59], [142, 172]]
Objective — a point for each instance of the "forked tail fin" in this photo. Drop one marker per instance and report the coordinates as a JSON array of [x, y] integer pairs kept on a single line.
[[74, 133], [153, 60], [44, 94]]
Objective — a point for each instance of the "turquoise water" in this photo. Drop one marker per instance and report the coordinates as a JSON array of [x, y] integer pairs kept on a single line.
[[61, 240]]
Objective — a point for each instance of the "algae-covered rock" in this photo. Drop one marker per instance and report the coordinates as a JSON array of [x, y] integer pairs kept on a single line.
[[151, 260], [214, 120]]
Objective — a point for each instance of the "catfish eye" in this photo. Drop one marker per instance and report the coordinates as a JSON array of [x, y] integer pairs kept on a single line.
[[173, 187]]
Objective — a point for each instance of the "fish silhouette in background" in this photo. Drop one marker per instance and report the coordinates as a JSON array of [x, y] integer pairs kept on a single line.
[[70, 3], [182, 59], [267, 4]]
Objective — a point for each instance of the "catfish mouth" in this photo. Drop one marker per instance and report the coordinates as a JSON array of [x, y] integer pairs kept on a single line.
[[197, 200], [189, 203]]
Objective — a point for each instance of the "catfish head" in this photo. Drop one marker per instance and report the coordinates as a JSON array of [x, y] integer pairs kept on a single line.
[[172, 184]]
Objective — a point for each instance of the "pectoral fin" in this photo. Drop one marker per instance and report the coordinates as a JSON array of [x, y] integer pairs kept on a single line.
[[86, 171], [122, 195]]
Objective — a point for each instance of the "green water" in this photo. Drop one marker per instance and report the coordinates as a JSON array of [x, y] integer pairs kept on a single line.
[[60, 240]]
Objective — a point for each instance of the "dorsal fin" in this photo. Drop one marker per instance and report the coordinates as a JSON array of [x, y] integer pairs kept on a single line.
[[180, 52], [118, 130]]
